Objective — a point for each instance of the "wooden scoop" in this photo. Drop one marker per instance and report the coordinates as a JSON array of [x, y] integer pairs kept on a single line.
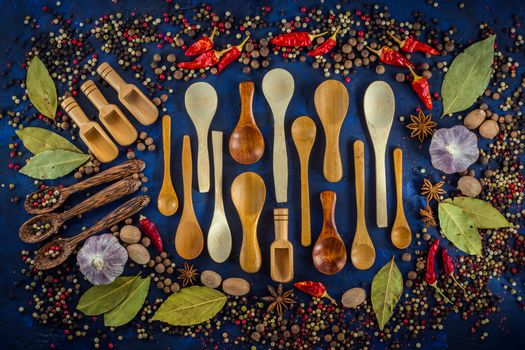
[[329, 252], [189, 239], [303, 134], [246, 140], [110, 115], [331, 102], [90, 132], [281, 250], [401, 235], [114, 173], [278, 87], [379, 106], [248, 194], [130, 96], [168, 203], [68, 245], [201, 104], [363, 253], [56, 220]]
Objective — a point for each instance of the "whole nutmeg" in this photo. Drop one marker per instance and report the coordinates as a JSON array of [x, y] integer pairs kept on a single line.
[[489, 129], [130, 234], [469, 186], [138, 253], [474, 119]]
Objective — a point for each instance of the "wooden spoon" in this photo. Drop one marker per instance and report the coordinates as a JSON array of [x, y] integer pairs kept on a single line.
[[281, 250], [401, 235], [278, 88], [201, 104], [303, 134], [110, 115], [56, 220], [189, 239], [114, 173], [248, 194], [246, 141], [68, 245], [219, 235], [363, 253], [130, 96], [379, 106], [331, 102], [168, 203], [329, 252], [90, 132]]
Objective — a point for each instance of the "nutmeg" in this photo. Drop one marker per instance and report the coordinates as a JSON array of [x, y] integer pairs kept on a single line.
[[469, 186], [489, 129], [474, 119]]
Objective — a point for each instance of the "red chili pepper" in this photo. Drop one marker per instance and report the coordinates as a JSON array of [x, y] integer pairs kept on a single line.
[[295, 39], [231, 56], [392, 57], [316, 289], [147, 227], [207, 59], [412, 45], [448, 266], [430, 273], [202, 45], [325, 46], [422, 88]]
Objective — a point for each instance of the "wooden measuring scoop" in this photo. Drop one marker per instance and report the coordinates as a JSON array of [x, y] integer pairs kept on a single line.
[[248, 194], [246, 141], [110, 115], [401, 235], [281, 250], [329, 252], [189, 239], [90, 132], [201, 104], [168, 203], [130, 96]]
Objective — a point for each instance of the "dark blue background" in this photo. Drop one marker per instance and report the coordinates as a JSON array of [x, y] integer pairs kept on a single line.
[[18, 329]]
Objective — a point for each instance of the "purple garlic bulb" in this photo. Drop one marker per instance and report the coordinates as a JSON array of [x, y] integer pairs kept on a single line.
[[453, 150]]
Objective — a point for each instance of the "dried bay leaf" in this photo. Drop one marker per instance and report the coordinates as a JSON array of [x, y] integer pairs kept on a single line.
[[130, 306], [468, 76], [485, 216], [41, 88], [52, 164], [37, 140], [103, 298], [386, 290], [459, 228], [192, 305]]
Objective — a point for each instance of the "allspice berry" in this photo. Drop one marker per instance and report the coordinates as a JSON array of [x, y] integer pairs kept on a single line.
[[474, 119], [489, 129], [469, 186]]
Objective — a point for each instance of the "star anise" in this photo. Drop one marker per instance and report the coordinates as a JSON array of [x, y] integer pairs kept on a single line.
[[422, 126], [279, 300], [188, 275], [427, 214], [432, 191]]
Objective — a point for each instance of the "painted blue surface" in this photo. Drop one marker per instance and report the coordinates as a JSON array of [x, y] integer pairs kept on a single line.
[[18, 330]]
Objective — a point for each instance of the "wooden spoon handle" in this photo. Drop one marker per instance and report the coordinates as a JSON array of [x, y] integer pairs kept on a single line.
[[280, 219], [187, 171], [216, 138], [203, 161], [280, 161], [71, 107], [250, 254], [108, 74], [94, 94], [246, 90], [381, 203], [359, 165], [306, 233], [328, 199], [398, 170], [332, 167], [166, 147]]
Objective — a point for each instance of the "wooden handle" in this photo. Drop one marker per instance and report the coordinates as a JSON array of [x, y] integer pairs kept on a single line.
[[306, 233], [332, 167], [216, 138], [108, 74], [381, 203], [71, 107], [203, 161], [280, 219], [166, 147], [250, 254], [187, 171], [359, 165], [280, 162], [398, 170], [246, 90], [94, 94], [328, 199]]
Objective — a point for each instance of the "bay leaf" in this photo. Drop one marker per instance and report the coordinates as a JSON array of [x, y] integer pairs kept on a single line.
[[37, 140], [52, 164], [191, 306], [386, 290], [468, 76], [484, 214], [130, 306], [103, 298], [41, 88], [459, 228]]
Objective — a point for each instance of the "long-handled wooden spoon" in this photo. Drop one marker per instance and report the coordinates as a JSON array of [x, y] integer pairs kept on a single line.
[[168, 203], [66, 246], [248, 194], [189, 240], [363, 253], [401, 235], [281, 249], [303, 134], [201, 104]]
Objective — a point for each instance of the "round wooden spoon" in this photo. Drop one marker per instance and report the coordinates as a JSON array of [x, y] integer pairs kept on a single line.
[[401, 235], [168, 203]]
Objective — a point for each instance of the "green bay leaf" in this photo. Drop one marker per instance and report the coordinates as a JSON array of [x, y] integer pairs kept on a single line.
[[468, 76], [386, 290], [52, 164], [37, 140], [484, 214], [130, 306], [103, 298], [41, 88], [191, 306], [459, 228]]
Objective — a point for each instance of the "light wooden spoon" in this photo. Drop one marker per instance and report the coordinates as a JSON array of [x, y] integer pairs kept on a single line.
[[278, 88], [379, 106], [189, 240], [168, 203], [201, 104], [281, 249], [331, 102], [401, 235]]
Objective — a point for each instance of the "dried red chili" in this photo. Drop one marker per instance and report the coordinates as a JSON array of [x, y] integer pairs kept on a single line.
[[430, 273], [231, 56], [316, 289], [202, 45], [204, 60], [412, 45], [325, 46], [448, 266], [147, 227], [295, 39], [422, 88], [392, 57]]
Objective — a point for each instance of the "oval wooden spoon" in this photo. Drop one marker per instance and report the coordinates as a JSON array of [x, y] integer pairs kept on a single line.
[[363, 253], [168, 203], [331, 102], [56, 220], [329, 252], [248, 194], [189, 239], [303, 134], [246, 141], [401, 235], [281, 249], [201, 104]]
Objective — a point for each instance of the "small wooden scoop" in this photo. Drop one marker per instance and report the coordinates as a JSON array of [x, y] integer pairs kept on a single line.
[[56, 220], [110, 115], [68, 245], [114, 173], [168, 203], [246, 140], [189, 239], [90, 132], [401, 235], [130, 96], [329, 252], [281, 250]]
